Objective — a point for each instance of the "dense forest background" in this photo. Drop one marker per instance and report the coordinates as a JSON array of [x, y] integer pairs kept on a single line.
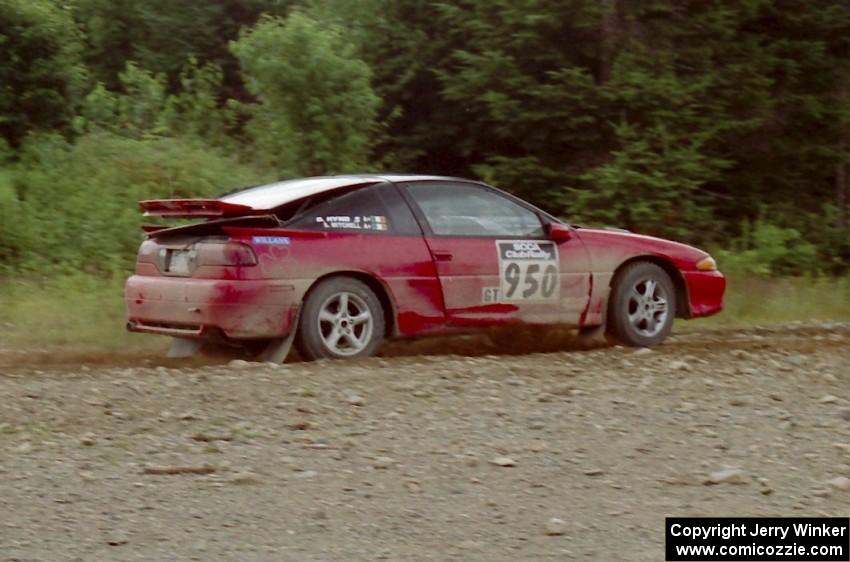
[[721, 123]]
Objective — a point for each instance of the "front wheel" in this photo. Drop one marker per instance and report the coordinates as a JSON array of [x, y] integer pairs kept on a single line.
[[342, 318], [642, 305]]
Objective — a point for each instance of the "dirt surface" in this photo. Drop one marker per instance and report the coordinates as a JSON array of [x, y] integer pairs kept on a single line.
[[420, 457]]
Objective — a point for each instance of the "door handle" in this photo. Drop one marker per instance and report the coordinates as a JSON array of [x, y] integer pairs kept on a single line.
[[443, 256]]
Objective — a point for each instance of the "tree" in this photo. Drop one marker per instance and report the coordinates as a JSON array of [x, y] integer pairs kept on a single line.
[[141, 107], [316, 109], [161, 35], [41, 75]]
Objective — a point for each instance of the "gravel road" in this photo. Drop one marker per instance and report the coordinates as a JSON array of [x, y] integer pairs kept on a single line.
[[571, 455]]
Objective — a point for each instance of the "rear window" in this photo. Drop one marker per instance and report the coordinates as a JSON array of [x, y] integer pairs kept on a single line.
[[373, 209], [280, 193]]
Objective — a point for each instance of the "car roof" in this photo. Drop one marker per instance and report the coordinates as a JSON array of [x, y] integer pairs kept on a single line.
[[272, 195]]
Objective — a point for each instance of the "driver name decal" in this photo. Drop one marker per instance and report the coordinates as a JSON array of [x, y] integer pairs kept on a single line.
[[357, 222], [528, 271]]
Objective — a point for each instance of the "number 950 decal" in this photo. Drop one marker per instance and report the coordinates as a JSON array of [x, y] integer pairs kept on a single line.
[[528, 271]]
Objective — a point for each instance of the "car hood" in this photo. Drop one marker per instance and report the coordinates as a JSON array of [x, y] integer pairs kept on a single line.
[[622, 244]]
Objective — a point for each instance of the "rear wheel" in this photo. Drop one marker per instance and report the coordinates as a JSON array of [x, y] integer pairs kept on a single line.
[[342, 318], [642, 305]]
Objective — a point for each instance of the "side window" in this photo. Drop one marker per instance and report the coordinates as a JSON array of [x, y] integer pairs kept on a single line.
[[376, 208], [469, 210]]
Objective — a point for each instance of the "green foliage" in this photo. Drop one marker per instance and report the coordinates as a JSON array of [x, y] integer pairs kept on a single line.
[[9, 211], [74, 206], [766, 249], [161, 35], [75, 311], [136, 112], [143, 108], [194, 111], [759, 300], [316, 108], [40, 71], [652, 185]]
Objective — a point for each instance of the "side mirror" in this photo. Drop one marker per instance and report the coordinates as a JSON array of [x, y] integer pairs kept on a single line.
[[559, 232]]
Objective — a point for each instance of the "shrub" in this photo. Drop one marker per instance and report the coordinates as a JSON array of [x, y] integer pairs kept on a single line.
[[74, 206], [768, 249]]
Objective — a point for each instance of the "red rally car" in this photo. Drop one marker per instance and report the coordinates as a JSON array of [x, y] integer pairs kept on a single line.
[[337, 264]]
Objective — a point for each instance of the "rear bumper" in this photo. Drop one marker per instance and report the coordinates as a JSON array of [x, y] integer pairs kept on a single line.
[[705, 292], [204, 308]]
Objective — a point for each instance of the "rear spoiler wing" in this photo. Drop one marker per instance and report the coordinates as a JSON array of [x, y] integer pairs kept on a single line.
[[214, 226], [193, 208]]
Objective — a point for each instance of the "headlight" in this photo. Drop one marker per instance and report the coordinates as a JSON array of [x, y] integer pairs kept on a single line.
[[707, 264]]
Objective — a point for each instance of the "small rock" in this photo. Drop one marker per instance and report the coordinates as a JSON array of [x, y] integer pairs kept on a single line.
[[840, 483], [308, 474], [676, 481], [679, 366], [413, 486], [766, 488], [555, 527], [563, 390], [686, 407], [643, 351], [593, 472], [536, 423], [355, 400], [726, 476], [383, 462], [245, 477], [24, 447], [503, 461], [828, 399], [239, 364], [88, 440]]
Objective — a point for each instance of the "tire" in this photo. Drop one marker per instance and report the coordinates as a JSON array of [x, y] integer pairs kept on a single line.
[[330, 314], [642, 305]]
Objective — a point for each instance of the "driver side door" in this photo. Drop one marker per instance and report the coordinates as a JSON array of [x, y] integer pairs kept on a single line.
[[494, 262]]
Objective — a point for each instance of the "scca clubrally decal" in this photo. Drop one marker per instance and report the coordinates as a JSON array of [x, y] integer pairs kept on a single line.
[[528, 271]]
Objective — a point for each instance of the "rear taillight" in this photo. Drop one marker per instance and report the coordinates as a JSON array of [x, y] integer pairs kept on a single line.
[[147, 252], [227, 254]]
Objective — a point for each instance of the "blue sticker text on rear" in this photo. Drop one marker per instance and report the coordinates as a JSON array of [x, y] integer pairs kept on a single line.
[[277, 240]]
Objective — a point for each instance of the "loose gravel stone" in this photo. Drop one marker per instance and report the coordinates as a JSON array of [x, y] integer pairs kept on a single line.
[[503, 461], [555, 526], [355, 400], [841, 483], [383, 462], [246, 477], [727, 476]]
